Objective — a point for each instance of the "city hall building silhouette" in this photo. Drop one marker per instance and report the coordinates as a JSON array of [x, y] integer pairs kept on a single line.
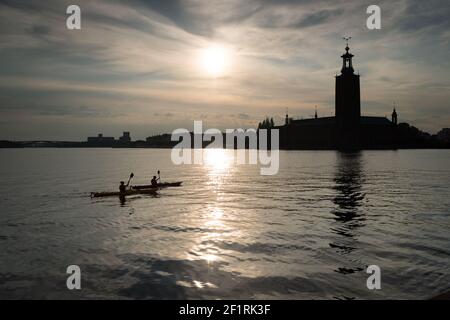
[[347, 129]]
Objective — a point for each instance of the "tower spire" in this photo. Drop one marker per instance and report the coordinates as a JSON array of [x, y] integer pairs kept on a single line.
[[347, 66], [347, 39], [394, 114], [348, 98]]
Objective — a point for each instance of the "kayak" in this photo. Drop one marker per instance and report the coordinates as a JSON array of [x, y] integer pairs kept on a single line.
[[122, 194], [160, 185]]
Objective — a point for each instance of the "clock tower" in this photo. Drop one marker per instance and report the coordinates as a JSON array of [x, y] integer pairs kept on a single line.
[[348, 101]]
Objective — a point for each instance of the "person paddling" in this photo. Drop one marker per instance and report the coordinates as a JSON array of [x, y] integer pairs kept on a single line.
[[123, 186], [155, 181]]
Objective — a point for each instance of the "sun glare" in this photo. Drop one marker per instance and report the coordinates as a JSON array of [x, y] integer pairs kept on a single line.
[[217, 159], [215, 60]]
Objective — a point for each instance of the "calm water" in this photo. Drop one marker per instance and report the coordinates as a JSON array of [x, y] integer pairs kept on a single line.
[[308, 232]]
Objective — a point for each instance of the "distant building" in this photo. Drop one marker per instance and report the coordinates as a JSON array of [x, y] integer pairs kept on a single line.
[[125, 137], [347, 129], [101, 141], [124, 140]]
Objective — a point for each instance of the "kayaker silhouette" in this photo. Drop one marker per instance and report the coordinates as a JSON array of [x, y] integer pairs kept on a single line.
[[123, 186], [155, 181]]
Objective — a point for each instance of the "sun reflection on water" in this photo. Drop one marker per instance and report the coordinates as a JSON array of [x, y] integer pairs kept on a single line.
[[215, 218], [217, 165], [206, 247]]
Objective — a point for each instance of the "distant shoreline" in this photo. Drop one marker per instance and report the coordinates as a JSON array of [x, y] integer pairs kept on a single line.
[[407, 138], [170, 147]]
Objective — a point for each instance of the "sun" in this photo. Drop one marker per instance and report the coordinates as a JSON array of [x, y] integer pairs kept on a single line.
[[218, 160], [215, 60]]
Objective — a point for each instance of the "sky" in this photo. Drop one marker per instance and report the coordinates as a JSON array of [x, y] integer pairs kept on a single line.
[[140, 66]]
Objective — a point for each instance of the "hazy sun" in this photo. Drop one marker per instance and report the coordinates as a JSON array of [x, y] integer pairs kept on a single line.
[[219, 160], [215, 60]]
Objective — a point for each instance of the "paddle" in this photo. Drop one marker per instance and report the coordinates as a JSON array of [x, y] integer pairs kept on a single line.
[[131, 177], [159, 177]]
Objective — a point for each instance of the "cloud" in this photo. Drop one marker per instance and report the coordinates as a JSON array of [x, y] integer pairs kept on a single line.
[[280, 18], [40, 30], [76, 111], [243, 116], [164, 115], [419, 15], [177, 13]]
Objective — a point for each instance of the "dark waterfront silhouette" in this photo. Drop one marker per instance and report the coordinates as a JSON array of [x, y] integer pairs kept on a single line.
[[347, 129]]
